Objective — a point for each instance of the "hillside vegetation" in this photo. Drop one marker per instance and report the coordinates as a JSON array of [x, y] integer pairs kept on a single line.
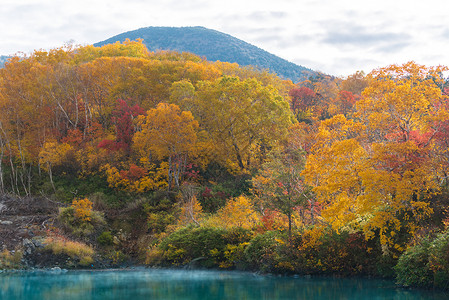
[[170, 159]]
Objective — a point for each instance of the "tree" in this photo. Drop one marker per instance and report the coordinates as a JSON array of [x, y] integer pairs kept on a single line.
[[123, 119], [168, 133], [376, 172], [241, 118], [302, 101], [343, 104], [355, 83], [53, 154], [280, 185], [238, 212]]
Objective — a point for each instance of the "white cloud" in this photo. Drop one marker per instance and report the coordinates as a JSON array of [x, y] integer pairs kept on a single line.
[[337, 37]]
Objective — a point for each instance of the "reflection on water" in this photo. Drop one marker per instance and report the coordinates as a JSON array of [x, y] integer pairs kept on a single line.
[[187, 284]]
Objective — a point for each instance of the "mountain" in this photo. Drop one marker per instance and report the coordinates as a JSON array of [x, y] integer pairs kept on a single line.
[[213, 45], [3, 59]]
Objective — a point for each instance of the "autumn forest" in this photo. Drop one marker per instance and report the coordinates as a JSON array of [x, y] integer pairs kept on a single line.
[[167, 159]]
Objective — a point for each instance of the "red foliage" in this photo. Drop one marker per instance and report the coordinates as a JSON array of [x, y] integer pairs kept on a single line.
[[123, 118], [108, 145], [446, 91], [267, 222], [420, 139], [190, 173], [442, 136], [94, 131], [302, 98], [346, 100], [134, 173], [207, 193], [74, 137]]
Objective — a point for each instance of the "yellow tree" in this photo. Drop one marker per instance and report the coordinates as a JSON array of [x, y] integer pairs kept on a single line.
[[332, 168], [242, 118], [53, 154], [238, 212], [168, 133], [25, 116], [355, 83], [377, 171]]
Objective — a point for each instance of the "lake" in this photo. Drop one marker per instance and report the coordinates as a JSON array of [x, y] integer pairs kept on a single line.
[[195, 284]]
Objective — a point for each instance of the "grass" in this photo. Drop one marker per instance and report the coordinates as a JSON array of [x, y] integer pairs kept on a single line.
[[75, 250]]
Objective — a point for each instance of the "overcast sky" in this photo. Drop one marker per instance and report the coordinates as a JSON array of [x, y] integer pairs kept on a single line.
[[337, 37]]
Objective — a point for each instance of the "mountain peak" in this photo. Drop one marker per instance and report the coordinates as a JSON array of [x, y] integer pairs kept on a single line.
[[213, 45]]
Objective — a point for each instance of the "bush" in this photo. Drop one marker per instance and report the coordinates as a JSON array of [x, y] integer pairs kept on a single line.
[[209, 247], [439, 260], [425, 264], [412, 268], [10, 260], [80, 219], [190, 243], [261, 252], [105, 239], [160, 211], [80, 252], [212, 200], [314, 251], [340, 252]]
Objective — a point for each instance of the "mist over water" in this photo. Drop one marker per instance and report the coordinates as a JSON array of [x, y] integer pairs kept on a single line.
[[193, 284]]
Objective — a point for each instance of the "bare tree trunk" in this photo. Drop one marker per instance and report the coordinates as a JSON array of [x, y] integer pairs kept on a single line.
[[50, 174], [312, 219], [180, 169], [23, 163], [177, 170], [189, 196], [170, 170]]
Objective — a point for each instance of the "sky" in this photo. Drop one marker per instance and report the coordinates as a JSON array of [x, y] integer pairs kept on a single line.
[[334, 37]]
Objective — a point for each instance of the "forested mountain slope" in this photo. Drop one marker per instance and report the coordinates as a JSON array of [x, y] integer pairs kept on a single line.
[[213, 45]]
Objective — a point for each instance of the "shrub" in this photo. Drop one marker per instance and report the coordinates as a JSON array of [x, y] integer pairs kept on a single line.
[[105, 239], [212, 199], [160, 213], [80, 219], [413, 266], [190, 243], [439, 260], [210, 247], [82, 209], [314, 251], [75, 250], [261, 252], [341, 252], [10, 260], [154, 256], [426, 264]]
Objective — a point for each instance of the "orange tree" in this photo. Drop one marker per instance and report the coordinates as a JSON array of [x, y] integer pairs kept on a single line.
[[168, 133], [376, 171]]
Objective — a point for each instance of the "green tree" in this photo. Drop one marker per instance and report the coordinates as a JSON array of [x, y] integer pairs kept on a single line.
[[242, 119], [280, 185]]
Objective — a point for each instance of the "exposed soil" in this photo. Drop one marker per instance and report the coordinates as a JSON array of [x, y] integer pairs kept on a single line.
[[24, 218]]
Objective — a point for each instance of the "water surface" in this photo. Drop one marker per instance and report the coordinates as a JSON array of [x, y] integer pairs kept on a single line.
[[193, 284]]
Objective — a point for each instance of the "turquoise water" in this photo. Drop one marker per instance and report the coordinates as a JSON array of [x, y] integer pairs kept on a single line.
[[187, 284]]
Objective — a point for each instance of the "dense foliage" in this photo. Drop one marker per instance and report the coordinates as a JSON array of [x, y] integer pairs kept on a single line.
[[171, 159]]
